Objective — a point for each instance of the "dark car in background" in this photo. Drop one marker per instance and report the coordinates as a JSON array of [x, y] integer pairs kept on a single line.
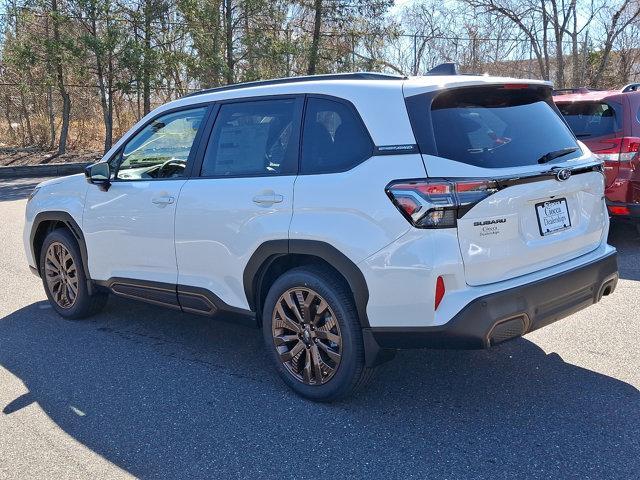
[[608, 122]]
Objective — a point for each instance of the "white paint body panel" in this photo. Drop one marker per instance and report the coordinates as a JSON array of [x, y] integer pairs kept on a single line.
[[219, 227], [64, 194], [351, 210], [129, 236], [516, 247]]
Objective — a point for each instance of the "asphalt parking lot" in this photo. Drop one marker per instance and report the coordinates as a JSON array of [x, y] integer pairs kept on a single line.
[[146, 392]]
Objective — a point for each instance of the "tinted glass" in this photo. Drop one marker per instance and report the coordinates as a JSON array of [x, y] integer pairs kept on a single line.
[[591, 119], [496, 127], [253, 138], [333, 139], [161, 149]]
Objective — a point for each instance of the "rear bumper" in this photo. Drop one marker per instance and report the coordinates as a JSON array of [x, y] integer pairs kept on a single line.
[[510, 313], [633, 210]]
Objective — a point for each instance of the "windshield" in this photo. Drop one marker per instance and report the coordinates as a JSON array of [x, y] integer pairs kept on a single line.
[[499, 126], [591, 119]]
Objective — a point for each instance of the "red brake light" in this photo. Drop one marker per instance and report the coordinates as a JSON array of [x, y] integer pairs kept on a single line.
[[515, 86], [435, 188], [614, 210], [440, 291], [408, 205], [623, 149]]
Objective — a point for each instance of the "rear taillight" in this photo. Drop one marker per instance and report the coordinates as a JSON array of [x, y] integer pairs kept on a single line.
[[623, 149], [437, 203], [617, 210]]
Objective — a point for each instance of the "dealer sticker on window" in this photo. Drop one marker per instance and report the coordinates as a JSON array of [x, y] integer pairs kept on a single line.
[[553, 216]]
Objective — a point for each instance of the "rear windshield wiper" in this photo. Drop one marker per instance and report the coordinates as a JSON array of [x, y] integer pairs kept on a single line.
[[547, 157]]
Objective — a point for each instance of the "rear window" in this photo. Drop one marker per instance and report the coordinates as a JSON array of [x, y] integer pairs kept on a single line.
[[591, 119], [499, 126]]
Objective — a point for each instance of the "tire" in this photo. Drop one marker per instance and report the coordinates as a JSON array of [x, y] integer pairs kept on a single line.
[[69, 297], [294, 352]]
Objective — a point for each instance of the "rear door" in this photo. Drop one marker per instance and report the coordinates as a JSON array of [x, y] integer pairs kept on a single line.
[[240, 197], [512, 138], [597, 124]]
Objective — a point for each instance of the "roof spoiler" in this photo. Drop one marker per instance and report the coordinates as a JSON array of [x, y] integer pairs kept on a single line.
[[444, 69]]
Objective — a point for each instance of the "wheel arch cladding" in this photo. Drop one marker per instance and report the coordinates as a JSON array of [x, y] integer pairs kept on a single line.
[[270, 252], [45, 222]]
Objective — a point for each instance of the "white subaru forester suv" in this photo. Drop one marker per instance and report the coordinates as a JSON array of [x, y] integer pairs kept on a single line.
[[347, 215]]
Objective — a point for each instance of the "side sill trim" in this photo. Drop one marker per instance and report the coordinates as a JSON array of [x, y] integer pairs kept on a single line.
[[185, 298]]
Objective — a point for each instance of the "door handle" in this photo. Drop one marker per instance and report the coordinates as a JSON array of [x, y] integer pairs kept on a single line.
[[268, 198], [162, 201]]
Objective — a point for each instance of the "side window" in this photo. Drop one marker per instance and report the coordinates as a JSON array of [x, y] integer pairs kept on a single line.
[[161, 149], [253, 138], [333, 139]]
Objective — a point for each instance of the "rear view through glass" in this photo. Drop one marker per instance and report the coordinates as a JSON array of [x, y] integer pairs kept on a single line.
[[591, 119], [501, 126]]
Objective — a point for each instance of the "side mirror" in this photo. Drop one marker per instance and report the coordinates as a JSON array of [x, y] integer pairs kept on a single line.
[[99, 174]]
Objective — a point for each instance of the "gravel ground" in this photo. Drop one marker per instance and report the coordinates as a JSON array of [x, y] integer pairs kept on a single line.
[[145, 392]]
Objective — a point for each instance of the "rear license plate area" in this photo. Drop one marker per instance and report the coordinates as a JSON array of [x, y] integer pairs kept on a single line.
[[553, 216]]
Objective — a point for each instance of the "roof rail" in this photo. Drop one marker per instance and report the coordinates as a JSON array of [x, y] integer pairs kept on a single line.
[[632, 87], [307, 78], [443, 69]]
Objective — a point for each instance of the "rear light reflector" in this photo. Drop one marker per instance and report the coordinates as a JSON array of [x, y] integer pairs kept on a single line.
[[440, 291], [615, 210], [515, 86], [623, 149], [437, 203]]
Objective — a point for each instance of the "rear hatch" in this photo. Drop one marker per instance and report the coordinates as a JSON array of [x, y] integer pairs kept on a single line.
[[527, 196], [599, 125]]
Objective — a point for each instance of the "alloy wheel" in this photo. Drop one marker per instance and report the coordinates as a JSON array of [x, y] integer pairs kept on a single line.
[[61, 275], [307, 336]]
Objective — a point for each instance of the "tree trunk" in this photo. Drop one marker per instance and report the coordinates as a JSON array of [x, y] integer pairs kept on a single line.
[[228, 27], [52, 118], [50, 114], [66, 100], [315, 43], [108, 137], [27, 118], [146, 61], [7, 115]]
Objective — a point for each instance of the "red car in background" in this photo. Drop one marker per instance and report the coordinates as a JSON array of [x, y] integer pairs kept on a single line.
[[608, 122]]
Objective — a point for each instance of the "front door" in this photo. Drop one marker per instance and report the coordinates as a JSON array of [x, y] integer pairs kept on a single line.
[[129, 229]]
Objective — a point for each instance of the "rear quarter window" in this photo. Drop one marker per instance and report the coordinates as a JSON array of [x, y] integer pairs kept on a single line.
[[592, 119]]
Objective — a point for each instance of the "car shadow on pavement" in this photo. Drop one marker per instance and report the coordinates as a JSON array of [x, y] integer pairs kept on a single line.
[[164, 394]]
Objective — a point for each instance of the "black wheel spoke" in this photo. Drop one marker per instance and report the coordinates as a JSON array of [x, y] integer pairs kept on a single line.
[[334, 356]]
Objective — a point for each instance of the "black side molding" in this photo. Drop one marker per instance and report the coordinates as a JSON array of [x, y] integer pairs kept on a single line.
[[70, 223], [179, 297], [270, 250]]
